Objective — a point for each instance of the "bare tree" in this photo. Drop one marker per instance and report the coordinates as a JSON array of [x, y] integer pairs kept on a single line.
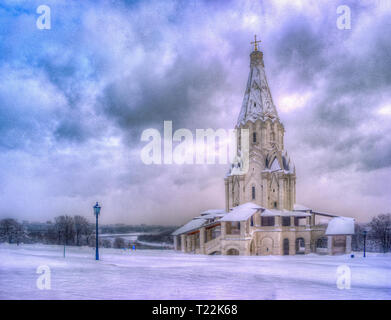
[[65, 229], [89, 233], [105, 243], [51, 234], [357, 240], [81, 227], [380, 230], [20, 233], [119, 243], [11, 230]]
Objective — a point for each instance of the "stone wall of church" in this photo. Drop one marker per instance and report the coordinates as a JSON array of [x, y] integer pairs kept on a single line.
[[270, 180], [271, 242], [260, 185]]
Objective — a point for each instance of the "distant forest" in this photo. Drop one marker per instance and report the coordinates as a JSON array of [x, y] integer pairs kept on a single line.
[[78, 231]]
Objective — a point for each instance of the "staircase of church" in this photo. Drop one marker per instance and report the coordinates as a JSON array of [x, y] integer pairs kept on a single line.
[[213, 245]]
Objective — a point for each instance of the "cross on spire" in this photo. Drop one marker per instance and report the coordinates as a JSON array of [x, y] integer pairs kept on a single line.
[[255, 43]]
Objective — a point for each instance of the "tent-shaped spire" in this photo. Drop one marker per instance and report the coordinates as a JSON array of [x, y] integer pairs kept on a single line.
[[257, 101]]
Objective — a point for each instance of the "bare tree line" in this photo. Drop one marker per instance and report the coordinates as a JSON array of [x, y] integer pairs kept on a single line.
[[11, 231], [77, 231], [65, 229], [378, 234]]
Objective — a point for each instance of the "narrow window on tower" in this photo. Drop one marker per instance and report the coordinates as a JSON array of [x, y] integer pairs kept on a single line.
[[254, 137], [253, 192]]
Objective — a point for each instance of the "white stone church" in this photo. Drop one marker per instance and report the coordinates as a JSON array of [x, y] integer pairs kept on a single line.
[[261, 216]]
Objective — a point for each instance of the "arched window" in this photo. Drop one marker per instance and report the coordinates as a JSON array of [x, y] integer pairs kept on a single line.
[[254, 137], [275, 204], [300, 246], [253, 192], [321, 242], [252, 221]]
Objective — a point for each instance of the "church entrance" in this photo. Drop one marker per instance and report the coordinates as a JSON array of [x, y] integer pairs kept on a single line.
[[300, 246], [232, 252], [286, 247]]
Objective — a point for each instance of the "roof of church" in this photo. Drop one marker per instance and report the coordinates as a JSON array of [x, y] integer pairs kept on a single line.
[[191, 225], [257, 101], [205, 218], [246, 210], [242, 212], [213, 213], [300, 207], [283, 163], [283, 213], [339, 226], [275, 165]]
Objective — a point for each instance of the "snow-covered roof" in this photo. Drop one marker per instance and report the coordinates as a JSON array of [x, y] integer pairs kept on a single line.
[[340, 225], [216, 212], [245, 211], [300, 207], [275, 165], [191, 225], [201, 220], [326, 214], [242, 212], [283, 213], [212, 216]]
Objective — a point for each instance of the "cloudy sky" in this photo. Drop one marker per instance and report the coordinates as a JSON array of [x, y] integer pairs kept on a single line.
[[75, 99]]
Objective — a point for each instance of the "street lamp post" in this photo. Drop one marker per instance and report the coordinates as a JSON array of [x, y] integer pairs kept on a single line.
[[365, 239], [96, 212]]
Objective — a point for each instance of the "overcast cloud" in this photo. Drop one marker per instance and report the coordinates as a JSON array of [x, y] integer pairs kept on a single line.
[[75, 99]]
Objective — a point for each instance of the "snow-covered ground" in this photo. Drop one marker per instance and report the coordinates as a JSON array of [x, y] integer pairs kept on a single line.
[[165, 274]]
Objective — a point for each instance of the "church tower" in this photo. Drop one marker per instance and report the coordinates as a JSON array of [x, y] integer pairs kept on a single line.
[[270, 179]]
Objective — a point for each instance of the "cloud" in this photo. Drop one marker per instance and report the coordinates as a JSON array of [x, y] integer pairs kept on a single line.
[[75, 99]]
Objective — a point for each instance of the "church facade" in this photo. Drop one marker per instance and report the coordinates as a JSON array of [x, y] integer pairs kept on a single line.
[[261, 216]]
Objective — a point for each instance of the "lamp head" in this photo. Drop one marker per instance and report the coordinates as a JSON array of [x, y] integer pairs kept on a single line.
[[96, 209]]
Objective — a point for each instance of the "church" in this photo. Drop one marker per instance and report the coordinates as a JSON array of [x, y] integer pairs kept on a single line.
[[261, 216]]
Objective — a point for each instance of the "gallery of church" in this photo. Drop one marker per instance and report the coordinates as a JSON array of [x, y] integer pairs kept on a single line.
[[261, 216]]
